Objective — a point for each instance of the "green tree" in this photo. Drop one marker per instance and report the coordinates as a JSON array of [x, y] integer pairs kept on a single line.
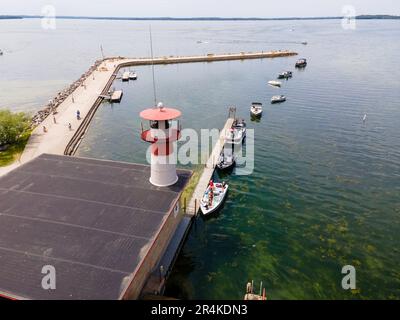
[[12, 126]]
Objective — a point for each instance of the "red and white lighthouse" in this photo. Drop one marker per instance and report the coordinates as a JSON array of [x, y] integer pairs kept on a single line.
[[162, 135]]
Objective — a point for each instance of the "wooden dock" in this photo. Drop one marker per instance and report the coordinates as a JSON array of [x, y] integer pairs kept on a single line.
[[116, 96], [193, 206]]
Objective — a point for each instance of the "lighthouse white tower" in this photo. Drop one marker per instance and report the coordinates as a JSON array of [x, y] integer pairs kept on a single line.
[[162, 137]]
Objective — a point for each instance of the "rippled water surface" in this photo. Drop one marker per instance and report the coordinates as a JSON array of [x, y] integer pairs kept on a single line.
[[325, 191]]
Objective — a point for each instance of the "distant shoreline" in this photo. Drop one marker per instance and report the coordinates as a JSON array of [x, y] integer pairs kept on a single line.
[[360, 17]]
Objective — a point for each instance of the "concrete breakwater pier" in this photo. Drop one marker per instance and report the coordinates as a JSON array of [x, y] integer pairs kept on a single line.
[[206, 58]]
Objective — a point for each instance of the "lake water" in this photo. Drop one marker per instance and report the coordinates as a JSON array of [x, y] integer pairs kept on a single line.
[[325, 191]]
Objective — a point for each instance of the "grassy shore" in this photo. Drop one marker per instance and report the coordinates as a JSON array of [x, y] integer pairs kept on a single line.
[[188, 192], [14, 151]]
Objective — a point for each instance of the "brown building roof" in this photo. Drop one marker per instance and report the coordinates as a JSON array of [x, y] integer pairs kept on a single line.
[[93, 220]]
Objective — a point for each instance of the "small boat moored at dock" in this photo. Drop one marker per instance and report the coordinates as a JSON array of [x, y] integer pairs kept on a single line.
[[275, 83], [132, 75], [237, 133], [278, 99], [125, 76], [301, 63], [256, 109], [226, 160], [213, 197]]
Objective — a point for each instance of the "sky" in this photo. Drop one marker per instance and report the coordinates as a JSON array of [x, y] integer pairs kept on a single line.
[[203, 8]]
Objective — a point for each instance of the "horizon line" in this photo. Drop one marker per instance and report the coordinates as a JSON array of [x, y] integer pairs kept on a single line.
[[205, 18]]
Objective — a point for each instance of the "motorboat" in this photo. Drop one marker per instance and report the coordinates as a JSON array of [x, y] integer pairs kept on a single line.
[[304, 43], [285, 75], [234, 136], [125, 76], [237, 133], [275, 83], [213, 197], [256, 109], [226, 160], [301, 63], [132, 75], [1, 52], [277, 99], [240, 126]]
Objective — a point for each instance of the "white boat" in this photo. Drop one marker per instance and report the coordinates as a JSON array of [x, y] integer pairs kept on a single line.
[[213, 198], [240, 125], [256, 109], [226, 160], [237, 133], [277, 99], [234, 136], [132, 75], [274, 83], [125, 76]]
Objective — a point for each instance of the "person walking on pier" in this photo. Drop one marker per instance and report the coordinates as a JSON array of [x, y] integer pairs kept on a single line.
[[69, 126], [78, 115], [211, 194], [54, 120]]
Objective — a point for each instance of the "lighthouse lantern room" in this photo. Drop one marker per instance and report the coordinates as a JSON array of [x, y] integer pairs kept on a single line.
[[162, 134]]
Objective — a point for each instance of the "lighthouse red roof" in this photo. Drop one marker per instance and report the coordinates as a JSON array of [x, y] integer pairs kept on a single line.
[[160, 114]]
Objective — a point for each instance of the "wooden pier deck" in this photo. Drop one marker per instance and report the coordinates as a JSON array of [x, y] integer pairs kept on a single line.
[[193, 206], [116, 96]]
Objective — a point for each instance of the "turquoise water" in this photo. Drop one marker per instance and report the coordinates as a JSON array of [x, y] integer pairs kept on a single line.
[[325, 191]]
